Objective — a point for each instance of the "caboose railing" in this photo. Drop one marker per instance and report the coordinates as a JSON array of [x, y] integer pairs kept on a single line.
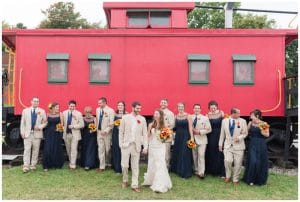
[[291, 95]]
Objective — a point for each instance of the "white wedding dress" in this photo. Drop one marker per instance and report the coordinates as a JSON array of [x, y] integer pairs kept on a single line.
[[157, 175]]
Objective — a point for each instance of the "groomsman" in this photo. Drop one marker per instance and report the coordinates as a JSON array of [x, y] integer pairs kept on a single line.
[[201, 127], [32, 123], [132, 133], [170, 123], [73, 122], [234, 131], [105, 122]]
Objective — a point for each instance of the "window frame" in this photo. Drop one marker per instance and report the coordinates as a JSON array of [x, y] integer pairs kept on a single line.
[[99, 57], [244, 58], [199, 58], [58, 57]]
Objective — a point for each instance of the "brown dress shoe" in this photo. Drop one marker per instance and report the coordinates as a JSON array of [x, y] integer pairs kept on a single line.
[[235, 183], [99, 170], [124, 185], [137, 190], [226, 180], [201, 177]]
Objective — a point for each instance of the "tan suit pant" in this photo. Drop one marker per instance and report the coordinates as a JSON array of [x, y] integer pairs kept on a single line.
[[71, 147], [236, 157], [199, 159], [104, 151], [131, 152], [31, 150]]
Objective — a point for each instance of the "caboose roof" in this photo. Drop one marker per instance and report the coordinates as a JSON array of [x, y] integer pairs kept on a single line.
[[9, 36]]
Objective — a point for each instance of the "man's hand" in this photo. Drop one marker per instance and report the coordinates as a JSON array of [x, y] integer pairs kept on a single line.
[[236, 139], [70, 127], [220, 148], [23, 136], [103, 133], [196, 132], [144, 151], [36, 128]]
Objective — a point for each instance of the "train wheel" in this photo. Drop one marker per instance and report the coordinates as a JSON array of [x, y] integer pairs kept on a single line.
[[13, 137]]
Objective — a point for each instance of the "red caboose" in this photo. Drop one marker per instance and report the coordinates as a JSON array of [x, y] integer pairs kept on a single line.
[[147, 53]]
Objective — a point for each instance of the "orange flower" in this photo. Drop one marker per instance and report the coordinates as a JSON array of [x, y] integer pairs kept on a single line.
[[117, 122], [59, 127], [191, 144], [264, 127], [165, 134], [92, 127]]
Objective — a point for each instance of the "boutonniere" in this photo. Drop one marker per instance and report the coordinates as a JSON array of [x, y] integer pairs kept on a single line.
[[38, 113], [199, 119], [138, 121], [238, 124], [105, 114]]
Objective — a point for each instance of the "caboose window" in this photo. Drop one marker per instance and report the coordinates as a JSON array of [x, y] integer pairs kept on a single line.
[[243, 69], [142, 18], [57, 67], [198, 68], [99, 68]]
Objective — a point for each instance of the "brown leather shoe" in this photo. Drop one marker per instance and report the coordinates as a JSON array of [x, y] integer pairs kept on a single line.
[[235, 183], [137, 190], [201, 177], [226, 180], [99, 170], [124, 185]]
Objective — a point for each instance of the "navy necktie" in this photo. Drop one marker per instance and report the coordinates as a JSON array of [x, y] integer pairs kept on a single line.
[[69, 121], [231, 126], [195, 122], [100, 119], [33, 119]]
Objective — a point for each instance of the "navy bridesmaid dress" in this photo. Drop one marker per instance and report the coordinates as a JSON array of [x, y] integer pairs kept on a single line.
[[53, 154], [256, 171], [214, 159], [116, 151], [89, 152], [182, 159]]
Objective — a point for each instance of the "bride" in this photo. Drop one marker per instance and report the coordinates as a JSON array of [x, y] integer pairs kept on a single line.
[[157, 176]]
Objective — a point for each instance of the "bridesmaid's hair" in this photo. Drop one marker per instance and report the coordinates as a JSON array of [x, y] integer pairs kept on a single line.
[[181, 103], [212, 102], [52, 105], [124, 111], [161, 121], [88, 109], [257, 113]]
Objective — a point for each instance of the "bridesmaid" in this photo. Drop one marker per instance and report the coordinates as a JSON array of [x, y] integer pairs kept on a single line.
[[182, 159], [53, 155], [256, 171], [214, 159], [116, 151], [89, 152]]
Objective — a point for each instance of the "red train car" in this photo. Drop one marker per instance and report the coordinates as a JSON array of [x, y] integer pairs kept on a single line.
[[148, 53]]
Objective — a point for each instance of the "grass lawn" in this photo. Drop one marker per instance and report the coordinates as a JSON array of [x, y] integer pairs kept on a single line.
[[80, 184]]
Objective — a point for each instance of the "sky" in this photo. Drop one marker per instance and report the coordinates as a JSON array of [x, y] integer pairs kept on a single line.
[[29, 11]]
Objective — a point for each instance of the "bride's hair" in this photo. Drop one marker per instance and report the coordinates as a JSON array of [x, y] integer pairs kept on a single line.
[[161, 122]]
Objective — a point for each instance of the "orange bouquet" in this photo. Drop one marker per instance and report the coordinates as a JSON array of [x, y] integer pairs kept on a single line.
[[59, 127], [191, 144], [165, 134], [264, 127], [117, 122], [92, 127]]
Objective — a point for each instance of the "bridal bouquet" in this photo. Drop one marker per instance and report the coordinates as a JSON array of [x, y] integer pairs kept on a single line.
[[59, 127], [117, 122], [165, 135], [264, 127], [191, 144], [92, 127]]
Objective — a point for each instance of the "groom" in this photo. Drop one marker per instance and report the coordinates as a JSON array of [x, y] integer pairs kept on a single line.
[[132, 133]]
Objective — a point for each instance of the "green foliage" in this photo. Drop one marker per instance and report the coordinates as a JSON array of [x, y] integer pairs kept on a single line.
[[62, 15], [83, 185], [291, 58]]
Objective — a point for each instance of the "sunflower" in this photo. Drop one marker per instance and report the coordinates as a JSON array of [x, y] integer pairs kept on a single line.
[[191, 144], [59, 127], [92, 127], [117, 122]]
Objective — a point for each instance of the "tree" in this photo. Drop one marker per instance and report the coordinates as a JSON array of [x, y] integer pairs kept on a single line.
[[20, 25], [63, 16], [215, 18], [291, 58]]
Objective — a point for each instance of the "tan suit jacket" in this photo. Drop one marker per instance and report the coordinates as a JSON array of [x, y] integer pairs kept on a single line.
[[41, 122], [77, 123], [203, 125], [240, 132], [140, 135], [169, 118], [107, 123]]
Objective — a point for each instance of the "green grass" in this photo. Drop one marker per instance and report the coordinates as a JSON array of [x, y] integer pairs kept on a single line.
[[79, 184]]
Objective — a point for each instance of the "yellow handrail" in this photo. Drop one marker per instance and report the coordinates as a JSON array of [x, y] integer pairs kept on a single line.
[[20, 85], [279, 101]]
